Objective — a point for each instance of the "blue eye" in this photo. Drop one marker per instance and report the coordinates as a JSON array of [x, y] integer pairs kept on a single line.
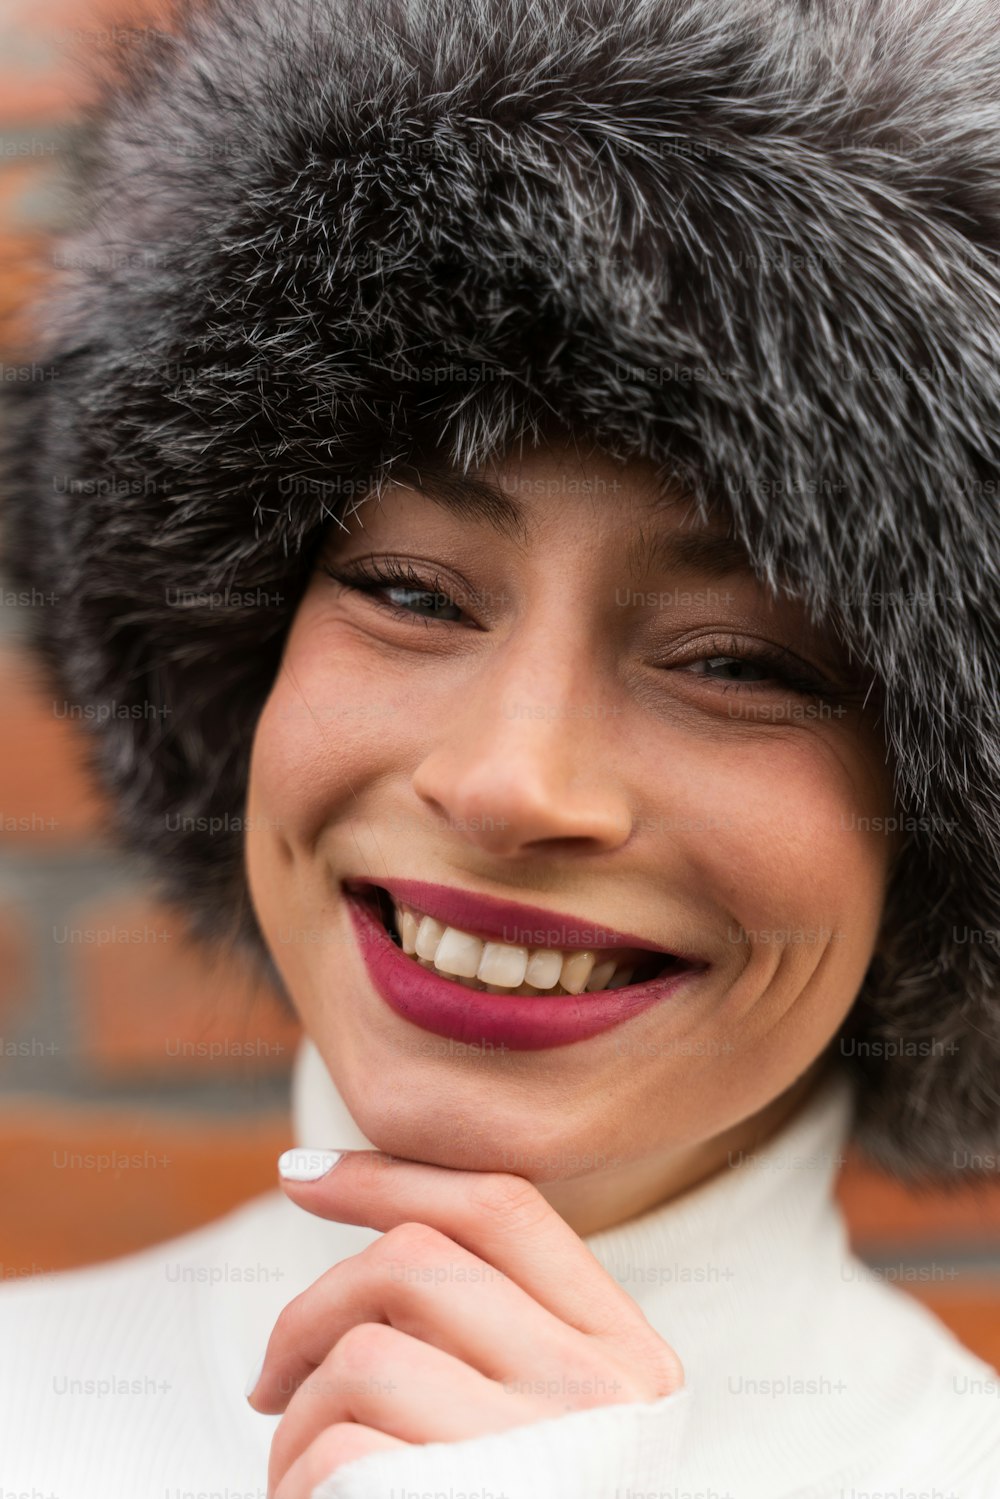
[[738, 666], [742, 667], [413, 593], [737, 669]]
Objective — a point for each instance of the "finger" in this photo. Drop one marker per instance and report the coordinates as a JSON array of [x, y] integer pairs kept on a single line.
[[420, 1282], [335, 1446], [501, 1218], [397, 1385]]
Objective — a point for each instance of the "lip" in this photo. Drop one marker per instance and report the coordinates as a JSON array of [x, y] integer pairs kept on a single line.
[[509, 921], [494, 1021]]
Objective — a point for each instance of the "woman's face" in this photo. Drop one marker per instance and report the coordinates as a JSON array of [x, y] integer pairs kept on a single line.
[[583, 718]]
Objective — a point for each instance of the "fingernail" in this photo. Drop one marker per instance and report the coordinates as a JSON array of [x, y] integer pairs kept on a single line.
[[307, 1165], [254, 1379]]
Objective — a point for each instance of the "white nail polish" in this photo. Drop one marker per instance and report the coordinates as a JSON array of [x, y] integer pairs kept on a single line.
[[254, 1379], [301, 1165]]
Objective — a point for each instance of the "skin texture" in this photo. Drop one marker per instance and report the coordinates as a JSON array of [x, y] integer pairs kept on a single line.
[[584, 740]]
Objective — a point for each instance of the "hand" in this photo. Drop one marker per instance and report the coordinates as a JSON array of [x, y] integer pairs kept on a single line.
[[478, 1309]]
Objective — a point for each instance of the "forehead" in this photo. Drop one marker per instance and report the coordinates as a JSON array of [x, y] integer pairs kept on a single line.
[[665, 528]]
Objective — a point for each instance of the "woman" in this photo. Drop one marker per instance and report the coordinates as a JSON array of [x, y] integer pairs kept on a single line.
[[526, 475]]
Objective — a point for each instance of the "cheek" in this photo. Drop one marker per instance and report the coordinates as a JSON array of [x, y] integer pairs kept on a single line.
[[787, 859], [328, 726], [336, 720], [794, 886]]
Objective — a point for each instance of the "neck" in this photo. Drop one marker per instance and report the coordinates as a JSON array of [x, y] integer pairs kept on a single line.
[[592, 1203]]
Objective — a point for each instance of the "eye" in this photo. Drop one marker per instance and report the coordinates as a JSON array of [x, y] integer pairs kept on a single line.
[[735, 669], [729, 664], [753, 667], [399, 589]]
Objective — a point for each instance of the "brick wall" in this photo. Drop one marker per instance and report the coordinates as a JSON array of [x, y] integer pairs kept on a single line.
[[117, 1040], [114, 1030], [120, 1043]]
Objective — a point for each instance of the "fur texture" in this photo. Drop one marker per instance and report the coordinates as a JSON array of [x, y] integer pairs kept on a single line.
[[285, 207]]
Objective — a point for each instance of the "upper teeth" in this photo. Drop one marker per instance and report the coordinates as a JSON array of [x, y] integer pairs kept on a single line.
[[496, 966]]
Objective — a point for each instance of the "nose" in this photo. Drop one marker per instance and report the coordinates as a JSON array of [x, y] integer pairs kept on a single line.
[[525, 762]]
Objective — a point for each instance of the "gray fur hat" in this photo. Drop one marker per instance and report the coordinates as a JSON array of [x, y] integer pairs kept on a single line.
[[754, 241]]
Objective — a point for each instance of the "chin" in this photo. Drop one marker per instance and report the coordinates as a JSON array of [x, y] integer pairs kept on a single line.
[[404, 1117]]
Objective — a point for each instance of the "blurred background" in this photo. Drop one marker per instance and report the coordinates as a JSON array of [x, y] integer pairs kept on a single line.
[[143, 1087]]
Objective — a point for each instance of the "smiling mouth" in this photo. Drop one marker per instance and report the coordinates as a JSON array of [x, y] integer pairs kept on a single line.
[[570, 974]]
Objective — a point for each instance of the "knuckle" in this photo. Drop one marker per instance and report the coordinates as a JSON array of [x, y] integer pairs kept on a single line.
[[508, 1200], [361, 1346], [297, 1315], [409, 1243]]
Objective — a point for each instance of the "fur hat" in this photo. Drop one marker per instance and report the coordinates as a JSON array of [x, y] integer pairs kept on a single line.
[[754, 241]]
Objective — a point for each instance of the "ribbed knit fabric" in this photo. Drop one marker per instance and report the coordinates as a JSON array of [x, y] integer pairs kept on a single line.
[[806, 1375]]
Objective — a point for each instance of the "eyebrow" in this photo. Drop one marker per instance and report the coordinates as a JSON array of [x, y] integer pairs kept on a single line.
[[707, 552], [480, 500]]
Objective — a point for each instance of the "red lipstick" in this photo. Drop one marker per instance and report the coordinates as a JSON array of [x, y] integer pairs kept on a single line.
[[507, 920], [517, 1022]]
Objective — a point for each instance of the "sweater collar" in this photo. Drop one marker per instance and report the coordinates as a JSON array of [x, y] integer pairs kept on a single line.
[[715, 1271]]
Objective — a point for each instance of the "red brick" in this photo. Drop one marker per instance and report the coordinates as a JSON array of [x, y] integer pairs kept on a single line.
[[15, 972], [45, 45], [153, 1004], [21, 256], [881, 1211], [45, 794], [972, 1310], [175, 1175], [21, 282], [21, 179]]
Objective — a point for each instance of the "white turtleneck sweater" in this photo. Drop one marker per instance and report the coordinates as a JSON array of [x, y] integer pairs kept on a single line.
[[805, 1375]]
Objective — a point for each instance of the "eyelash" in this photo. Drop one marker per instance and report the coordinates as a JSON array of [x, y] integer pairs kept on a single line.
[[387, 573], [390, 574]]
